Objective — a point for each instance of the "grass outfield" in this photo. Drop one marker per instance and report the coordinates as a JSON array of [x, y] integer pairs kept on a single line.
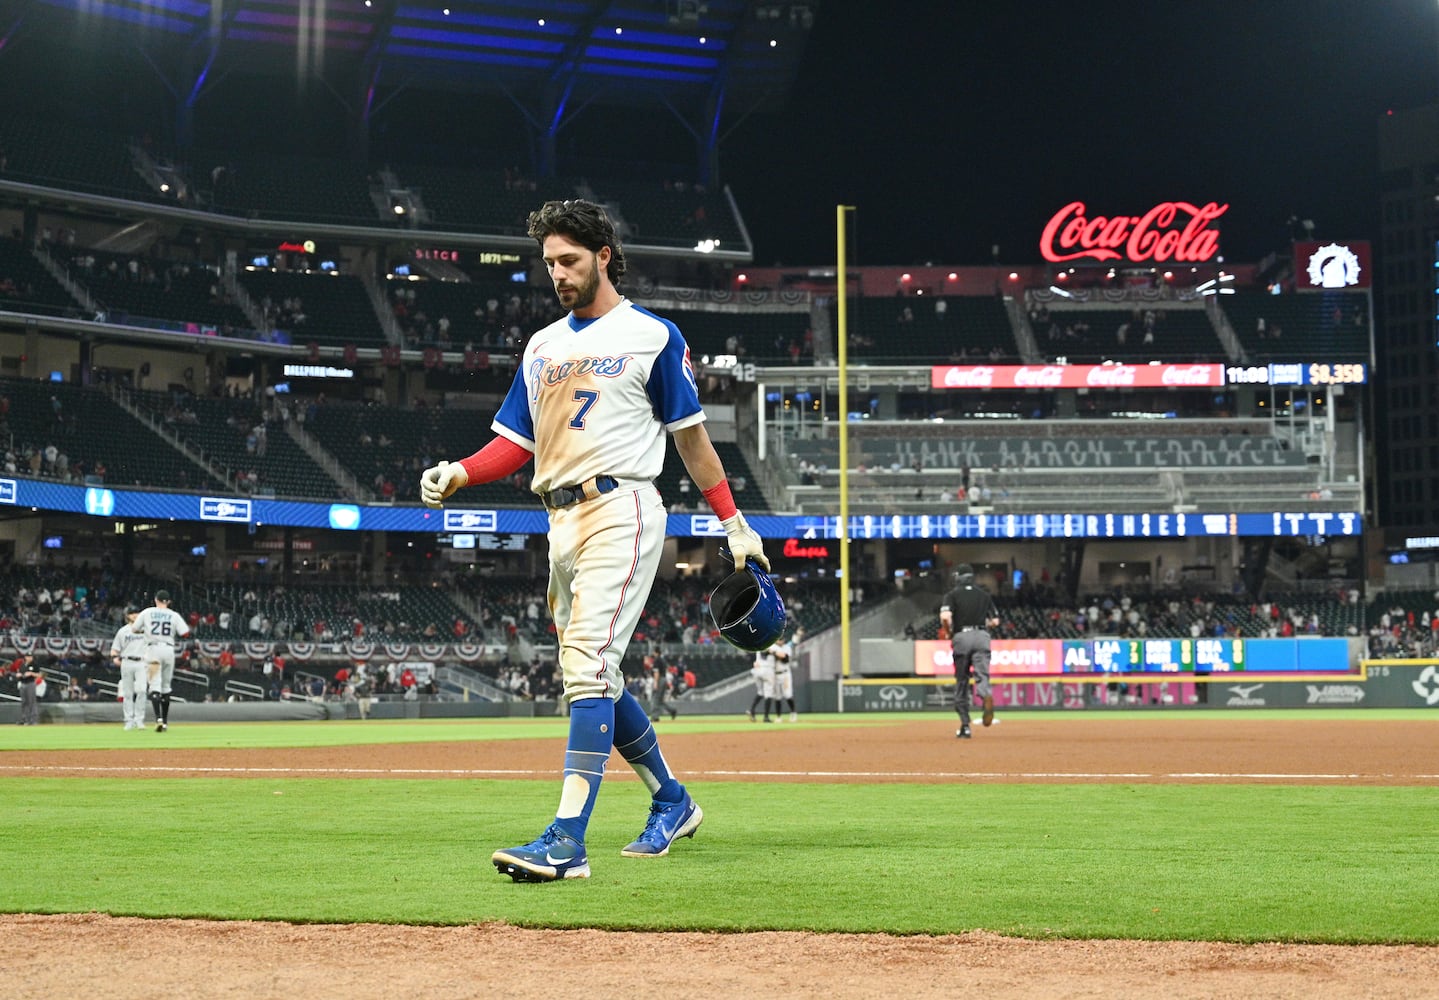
[[1192, 862], [1237, 863]]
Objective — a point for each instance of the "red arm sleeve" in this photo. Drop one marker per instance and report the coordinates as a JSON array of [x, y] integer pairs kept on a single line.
[[721, 500], [500, 458]]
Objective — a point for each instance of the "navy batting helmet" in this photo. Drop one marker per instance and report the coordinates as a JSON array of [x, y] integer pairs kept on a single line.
[[748, 610]]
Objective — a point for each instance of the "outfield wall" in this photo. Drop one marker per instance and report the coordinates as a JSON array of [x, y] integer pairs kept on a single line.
[[1378, 684]]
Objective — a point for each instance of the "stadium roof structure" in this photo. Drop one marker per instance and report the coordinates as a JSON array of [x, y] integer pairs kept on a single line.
[[705, 59]]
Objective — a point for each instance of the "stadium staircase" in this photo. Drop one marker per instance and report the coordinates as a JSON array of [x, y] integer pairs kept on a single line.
[[331, 466], [242, 299], [383, 313], [1223, 329], [1023, 332], [61, 275], [124, 399]]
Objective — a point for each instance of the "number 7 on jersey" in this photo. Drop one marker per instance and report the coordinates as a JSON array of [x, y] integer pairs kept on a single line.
[[586, 398]]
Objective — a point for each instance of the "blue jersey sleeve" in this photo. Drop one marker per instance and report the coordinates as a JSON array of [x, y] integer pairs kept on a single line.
[[671, 386], [514, 415]]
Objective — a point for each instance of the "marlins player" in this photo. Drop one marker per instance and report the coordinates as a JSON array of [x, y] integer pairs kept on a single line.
[[128, 650], [592, 399], [783, 688], [161, 627], [763, 673]]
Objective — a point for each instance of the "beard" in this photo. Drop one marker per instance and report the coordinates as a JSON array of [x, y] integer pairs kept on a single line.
[[581, 296]]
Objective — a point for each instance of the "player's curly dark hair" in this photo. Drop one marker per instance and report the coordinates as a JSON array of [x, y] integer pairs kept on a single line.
[[585, 223]]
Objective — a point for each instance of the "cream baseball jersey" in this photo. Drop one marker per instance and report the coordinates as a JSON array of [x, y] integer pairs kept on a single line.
[[127, 644], [596, 397], [161, 627]]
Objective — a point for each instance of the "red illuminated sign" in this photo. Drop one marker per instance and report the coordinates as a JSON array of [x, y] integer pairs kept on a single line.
[[1170, 231], [1008, 657], [452, 256], [794, 550], [1163, 376]]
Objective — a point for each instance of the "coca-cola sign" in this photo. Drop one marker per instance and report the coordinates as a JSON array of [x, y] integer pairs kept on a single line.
[[1172, 231], [1157, 376]]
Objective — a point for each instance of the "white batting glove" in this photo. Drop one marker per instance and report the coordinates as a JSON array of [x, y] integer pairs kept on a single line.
[[743, 542], [439, 481]]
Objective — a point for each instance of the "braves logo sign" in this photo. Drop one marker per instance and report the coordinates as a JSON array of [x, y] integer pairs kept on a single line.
[[1170, 231]]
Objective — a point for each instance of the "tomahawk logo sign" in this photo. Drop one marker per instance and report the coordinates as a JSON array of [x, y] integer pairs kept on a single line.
[[224, 509], [1334, 266], [1335, 694], [1244, 695], [1426, 685], [470, 520]]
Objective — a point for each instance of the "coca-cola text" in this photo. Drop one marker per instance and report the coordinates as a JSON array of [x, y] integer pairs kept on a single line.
[[1161, 234]]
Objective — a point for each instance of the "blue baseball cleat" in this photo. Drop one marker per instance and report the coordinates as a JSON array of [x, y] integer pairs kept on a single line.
[[668, 822], [551, 856]]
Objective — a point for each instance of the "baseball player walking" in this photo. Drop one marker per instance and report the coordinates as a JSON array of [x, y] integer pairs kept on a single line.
[[128, 651], [161, 627], [591, 401], [763, 673], [782, 653], [969, 612]]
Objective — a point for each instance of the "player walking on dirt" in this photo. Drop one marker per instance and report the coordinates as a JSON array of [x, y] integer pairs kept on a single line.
[[591, 401]]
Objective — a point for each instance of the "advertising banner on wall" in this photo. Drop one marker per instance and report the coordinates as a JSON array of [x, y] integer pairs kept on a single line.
[[1111, 655]]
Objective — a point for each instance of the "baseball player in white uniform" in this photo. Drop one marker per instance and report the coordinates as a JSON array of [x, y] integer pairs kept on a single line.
[[161, 628], [763, 673], [782, 690], [591, 402], [128, 651]]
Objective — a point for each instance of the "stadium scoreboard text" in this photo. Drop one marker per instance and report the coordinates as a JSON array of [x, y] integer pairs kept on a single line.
[[1113, 655], [1145, 376], [99, 501]]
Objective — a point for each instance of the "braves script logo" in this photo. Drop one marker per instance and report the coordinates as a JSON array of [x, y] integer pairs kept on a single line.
[[1156, 235], [543, 371]]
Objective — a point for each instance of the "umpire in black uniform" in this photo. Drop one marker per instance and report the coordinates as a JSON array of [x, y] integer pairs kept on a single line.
[[969, 612]]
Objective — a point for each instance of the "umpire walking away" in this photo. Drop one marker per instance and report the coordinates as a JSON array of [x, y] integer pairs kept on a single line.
[[969, 612]]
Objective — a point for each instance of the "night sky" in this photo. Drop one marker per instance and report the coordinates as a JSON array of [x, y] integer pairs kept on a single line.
[[955, 126]]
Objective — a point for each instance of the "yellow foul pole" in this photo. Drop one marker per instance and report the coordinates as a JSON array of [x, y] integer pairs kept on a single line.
[[842, 302]]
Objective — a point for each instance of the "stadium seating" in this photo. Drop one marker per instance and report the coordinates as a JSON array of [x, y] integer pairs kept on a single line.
[[1085, 334], [336, 307], [85, 159], [749, 497], [465, 305], [220, 431], [670, 215], [301, 188], [25, 285], [467, 200], [417, 438], [300, 611], [96, 431], [762, 337], [186, 293], [1305, 326], [900, 329]]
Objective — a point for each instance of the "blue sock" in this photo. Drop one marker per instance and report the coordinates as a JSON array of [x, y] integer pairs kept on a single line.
[[592, 734], [637, 743]]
